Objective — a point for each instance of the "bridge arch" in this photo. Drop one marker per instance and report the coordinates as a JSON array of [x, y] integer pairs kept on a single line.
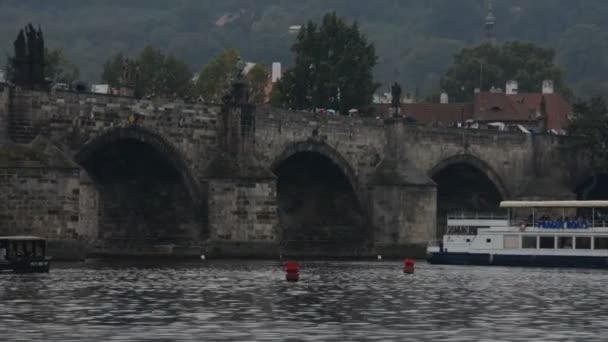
[[147, 191], [466, 183], [320, 200], [148, 137]]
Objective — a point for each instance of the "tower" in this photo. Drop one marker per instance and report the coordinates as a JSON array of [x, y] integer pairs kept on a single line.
[[490, 23]]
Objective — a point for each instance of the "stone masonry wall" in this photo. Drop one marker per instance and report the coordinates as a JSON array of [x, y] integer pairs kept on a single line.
[[242, 213], [4, 112], [40, 201], [404, 215], [359, 141], [507, 155], [71, 120]]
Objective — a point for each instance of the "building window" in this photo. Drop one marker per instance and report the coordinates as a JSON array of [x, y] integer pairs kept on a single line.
[[583, 242], [511, 242], [601, 242], [528, 242], [547, 242], [564, 242]]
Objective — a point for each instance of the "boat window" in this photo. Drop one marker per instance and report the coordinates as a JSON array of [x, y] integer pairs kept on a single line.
[[511, 242], [583, 242], [547, 242], [601, 242], [528, 242], [564, 242], [3, 251], [18, 249], [28, 248], [39, 249], [488, 240]]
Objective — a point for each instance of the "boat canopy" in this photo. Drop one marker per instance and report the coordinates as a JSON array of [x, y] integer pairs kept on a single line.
[[554, 204], [21, 238]]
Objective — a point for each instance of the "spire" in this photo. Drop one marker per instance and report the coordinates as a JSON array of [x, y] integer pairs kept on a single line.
[[490, 23]]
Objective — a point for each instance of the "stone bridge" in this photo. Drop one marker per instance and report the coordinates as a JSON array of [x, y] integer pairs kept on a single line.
[[118, 175]]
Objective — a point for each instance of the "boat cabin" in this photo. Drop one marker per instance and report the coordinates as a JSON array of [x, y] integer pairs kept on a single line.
[[555, 233], [23, 254]]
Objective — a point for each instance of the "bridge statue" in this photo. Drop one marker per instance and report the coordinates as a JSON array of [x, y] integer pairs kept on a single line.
[[396, 98], [128, 77], [26, 68]]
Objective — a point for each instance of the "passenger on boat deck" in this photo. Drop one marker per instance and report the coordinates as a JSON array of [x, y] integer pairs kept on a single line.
[[2, 254]]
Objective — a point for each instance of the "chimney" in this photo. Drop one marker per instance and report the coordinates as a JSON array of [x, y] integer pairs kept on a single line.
[[443, 98], [276, 72], [512, 87], [548, 87]]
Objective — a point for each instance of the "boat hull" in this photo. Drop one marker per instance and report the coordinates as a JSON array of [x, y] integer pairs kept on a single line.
[[26, 266], [483, 259]]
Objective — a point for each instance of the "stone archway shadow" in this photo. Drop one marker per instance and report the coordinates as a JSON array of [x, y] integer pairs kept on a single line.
[[477, 163], [331, 154], [155, 140]]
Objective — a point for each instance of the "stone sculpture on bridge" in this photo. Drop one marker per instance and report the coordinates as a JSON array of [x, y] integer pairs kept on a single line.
[[128, 77], [396, 98], [26, 68]]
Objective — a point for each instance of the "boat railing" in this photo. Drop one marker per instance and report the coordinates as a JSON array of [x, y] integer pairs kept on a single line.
[[568, 224], [477, 216]]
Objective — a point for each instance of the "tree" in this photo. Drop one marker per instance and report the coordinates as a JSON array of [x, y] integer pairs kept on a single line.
[[490, 65], [112, 70], [257, 78], [589, 131], [333, 67], [213, 80], [158, 74], [58, 68]]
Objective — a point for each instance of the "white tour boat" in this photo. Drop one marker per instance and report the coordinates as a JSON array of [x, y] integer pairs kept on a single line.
[[538, 241]]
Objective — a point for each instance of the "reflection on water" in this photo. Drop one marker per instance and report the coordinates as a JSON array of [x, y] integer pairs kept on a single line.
[[245, 301]]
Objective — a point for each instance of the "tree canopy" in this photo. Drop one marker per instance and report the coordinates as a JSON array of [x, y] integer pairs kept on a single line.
[[158, 74], [213, 80], [59, 69], [333, 67], [489, 65], [415, 40], [589, 129]]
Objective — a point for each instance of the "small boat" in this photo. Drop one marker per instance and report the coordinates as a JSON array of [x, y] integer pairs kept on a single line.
[[541, 240], [23, 254]]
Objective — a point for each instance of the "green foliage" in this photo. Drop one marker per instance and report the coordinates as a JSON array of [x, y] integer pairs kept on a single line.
[[333, 67], [489, 65], [256, 79], [157, 74], [414, 39], [589, 129], [214, 79], [58, 68], [112, 70], [160, 75]]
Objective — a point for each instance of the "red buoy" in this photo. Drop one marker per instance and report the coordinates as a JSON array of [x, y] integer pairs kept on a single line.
[[293, 271], [408, 266]]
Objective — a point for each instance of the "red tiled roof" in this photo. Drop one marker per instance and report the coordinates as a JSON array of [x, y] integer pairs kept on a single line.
[[434, 112], [521, 108]]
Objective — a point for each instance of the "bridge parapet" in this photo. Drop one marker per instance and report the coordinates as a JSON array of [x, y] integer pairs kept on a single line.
[[72, 120]]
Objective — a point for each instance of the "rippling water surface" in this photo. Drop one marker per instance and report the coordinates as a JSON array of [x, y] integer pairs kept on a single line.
[[334, 301]]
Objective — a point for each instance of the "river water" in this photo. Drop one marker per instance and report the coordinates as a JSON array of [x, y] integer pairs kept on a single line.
[[334, 301]]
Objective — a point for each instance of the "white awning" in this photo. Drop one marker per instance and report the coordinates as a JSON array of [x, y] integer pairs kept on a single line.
[[554, 204]]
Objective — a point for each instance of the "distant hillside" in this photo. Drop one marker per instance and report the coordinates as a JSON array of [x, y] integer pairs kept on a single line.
[[415, 39]]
